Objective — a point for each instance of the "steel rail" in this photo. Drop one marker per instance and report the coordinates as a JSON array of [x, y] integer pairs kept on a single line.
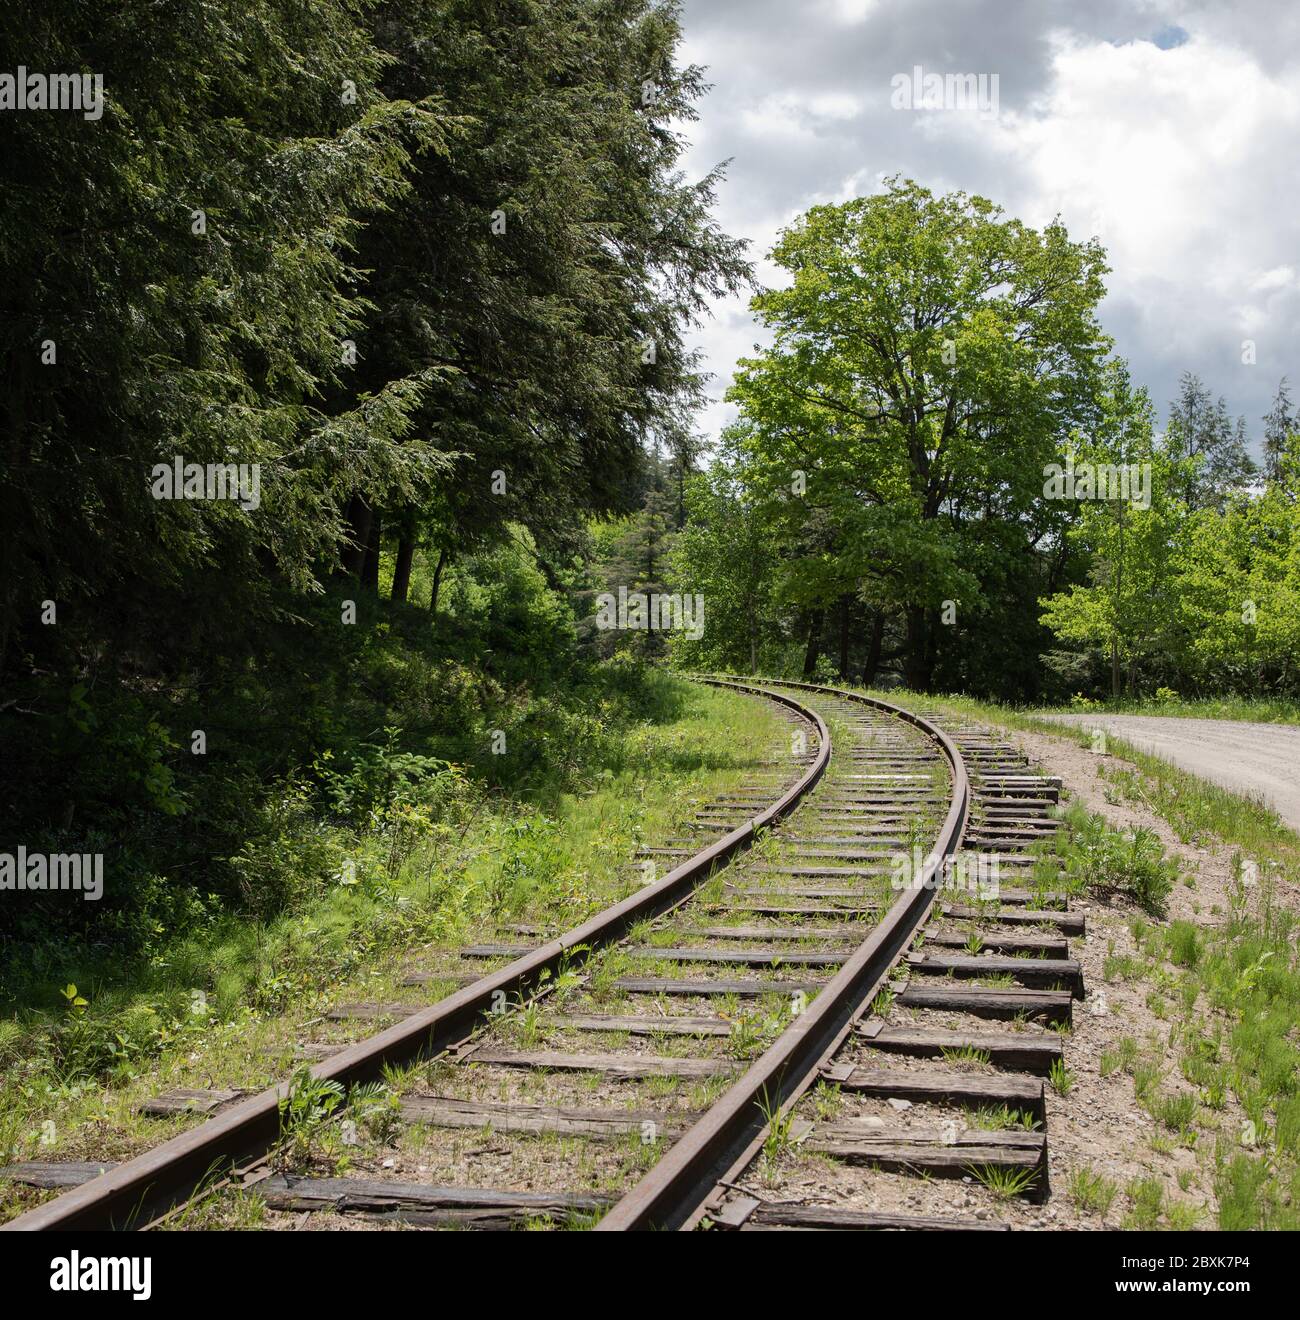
[[138, 1190], [678, 1192]]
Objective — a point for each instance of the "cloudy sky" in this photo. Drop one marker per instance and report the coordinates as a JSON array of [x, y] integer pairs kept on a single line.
[[1165, 127]]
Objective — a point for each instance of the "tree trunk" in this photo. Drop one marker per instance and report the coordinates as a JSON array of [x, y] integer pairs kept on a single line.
[[845, 604], [1114, 668], [918, 653], [931, 647], [751, 614], [813, 648], [402, 568], [352, 555], [370, 566], [437, 581], [874, 647]]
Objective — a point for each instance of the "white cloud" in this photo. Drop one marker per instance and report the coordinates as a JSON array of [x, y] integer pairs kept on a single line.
[[1172, 157], [1176, 150], [1277, 278], [1179, 159], [851, 11]]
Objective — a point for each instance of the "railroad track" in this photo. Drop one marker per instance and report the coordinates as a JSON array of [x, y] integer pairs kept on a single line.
[[227, 1150], [918, 1096], [665, 1054]]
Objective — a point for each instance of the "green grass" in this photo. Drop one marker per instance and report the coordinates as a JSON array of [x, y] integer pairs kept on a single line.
[[1146, 1204], [1061, 1078], [1112, 1060], [1254, 710], [1004, 1182], [779, 1139], [1199, 811], [1092, 1192], [1100, 860], [965, 1054], [223, 992], [999, 1119]]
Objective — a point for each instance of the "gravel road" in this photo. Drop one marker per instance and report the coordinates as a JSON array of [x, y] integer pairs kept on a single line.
[[1263, 759]]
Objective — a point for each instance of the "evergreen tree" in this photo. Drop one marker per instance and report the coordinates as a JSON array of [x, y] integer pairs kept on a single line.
[[1200, 429], [178, 285], [638, 558], [1279, 423], [544, 265]]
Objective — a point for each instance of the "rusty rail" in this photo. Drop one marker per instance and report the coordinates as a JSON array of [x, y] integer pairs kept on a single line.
[[678, 1191], [137, 1191]]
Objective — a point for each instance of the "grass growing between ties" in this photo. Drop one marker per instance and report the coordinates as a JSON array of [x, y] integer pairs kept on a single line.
[[1004, 1182]]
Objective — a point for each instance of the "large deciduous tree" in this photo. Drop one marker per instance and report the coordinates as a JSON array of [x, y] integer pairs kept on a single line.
[[930, 358]]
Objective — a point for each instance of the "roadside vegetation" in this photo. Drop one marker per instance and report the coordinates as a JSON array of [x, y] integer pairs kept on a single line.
[[1251, 710], [1230, 995], [1195, 809], [1224, 985], [392, 271]]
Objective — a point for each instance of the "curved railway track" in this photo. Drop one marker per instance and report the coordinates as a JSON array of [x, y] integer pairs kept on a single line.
[[662, 1050], [229, 1148], [976, 1110]]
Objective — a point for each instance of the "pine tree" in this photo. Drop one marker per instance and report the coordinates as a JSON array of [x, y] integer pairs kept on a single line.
[[178, 285], [542, 267], [1200, 429], [1279, 423], [640, 558]]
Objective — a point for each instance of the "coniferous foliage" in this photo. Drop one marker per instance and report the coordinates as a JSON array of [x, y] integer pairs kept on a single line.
[[1279, 423], [544, 264], [1200, 429], [422, 266], [179, 278]]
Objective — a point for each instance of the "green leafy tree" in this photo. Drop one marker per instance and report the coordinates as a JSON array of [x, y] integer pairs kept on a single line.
[[1238, 592], [1129, 606], [930, 358], [727, 554]]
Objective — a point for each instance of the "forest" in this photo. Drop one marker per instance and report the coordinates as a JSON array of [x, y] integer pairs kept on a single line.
[[889, 506], [410, 284], [423, 268]]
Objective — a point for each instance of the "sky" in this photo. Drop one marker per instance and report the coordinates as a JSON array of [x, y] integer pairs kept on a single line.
[[1166, 128]]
